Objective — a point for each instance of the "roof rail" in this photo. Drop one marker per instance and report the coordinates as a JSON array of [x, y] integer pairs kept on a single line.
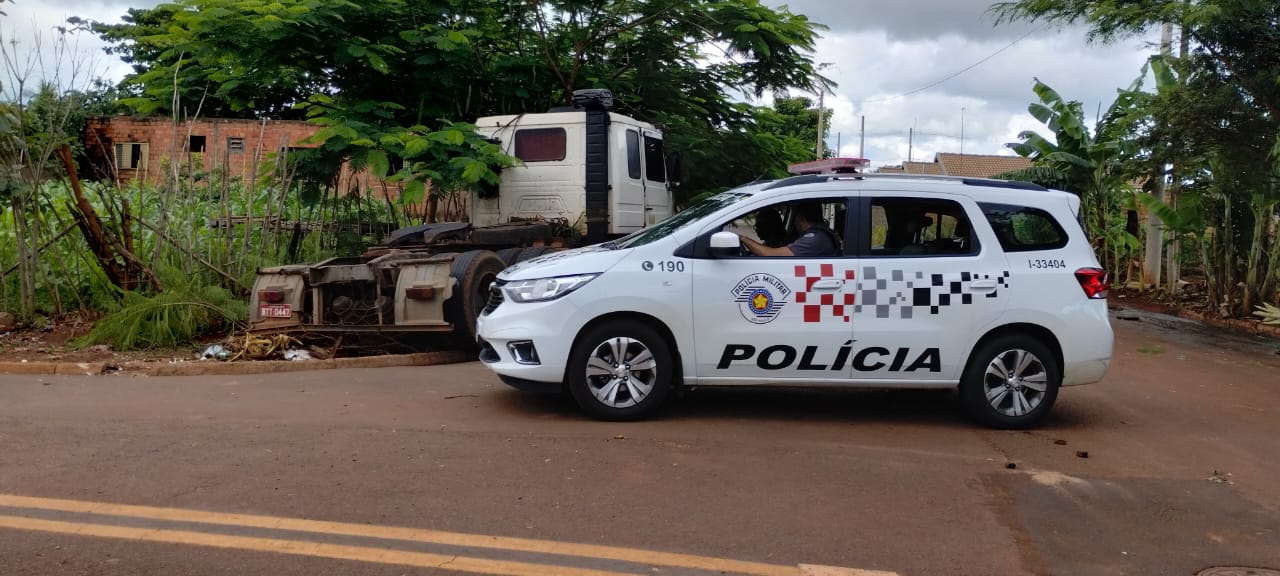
[[992, 182]]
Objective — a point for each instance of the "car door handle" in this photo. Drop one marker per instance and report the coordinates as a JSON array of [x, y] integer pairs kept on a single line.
[[827, 284], [982, 285]]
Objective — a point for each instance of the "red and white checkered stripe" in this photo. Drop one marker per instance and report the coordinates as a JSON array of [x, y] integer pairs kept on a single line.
[[814, 311]]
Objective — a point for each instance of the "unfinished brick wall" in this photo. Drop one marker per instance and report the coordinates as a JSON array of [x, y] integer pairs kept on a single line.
[[127, 149]]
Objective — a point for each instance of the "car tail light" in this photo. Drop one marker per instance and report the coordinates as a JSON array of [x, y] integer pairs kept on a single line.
[[271, 296], [1095, 282], [420, 293]]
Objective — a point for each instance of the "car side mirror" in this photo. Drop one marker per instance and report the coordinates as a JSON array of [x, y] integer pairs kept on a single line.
[[724, 244]]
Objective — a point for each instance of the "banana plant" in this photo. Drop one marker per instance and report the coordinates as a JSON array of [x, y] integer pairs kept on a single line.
[[1094, 164]]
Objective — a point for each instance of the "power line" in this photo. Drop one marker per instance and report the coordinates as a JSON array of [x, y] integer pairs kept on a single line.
[[961, 71]]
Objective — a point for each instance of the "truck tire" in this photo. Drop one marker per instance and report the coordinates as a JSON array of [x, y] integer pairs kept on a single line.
[[532, 252], [509, 255], [475, 272]]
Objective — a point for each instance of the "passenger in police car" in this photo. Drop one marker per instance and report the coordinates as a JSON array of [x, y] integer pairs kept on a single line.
[[815, 239]]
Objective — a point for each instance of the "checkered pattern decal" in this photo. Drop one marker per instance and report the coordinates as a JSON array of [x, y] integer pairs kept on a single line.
[[903, 294], [820, 305]]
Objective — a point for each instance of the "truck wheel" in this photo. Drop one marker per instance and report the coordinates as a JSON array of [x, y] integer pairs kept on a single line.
[[475, 272], [1011, 383], [621, 371], [509, 255], [532, 252]]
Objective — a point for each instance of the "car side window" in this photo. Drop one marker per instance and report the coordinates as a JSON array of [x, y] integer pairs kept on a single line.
[[1024, 229], [919, 227], [776, 225]]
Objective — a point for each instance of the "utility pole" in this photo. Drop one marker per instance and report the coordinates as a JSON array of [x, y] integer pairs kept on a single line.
[[862, 138], [822, 113], [838, 136], [911, 135], [1174, 268], [1155, 235]]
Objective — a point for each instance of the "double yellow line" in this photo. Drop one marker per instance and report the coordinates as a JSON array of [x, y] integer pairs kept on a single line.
[[644, 558]]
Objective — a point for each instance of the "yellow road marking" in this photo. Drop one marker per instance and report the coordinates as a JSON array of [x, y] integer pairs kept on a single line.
[[645, 557], [301, 548]]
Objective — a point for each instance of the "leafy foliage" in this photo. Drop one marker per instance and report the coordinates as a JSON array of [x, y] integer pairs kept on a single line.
[[1269, 314], [399, 79], [1090, 162], [185, 310], [1211, 129]]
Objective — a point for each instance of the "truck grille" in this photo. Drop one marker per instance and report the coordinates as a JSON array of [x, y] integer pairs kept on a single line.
[[495, 297]]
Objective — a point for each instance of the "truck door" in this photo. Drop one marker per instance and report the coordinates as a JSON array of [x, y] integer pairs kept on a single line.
[[774, 319], [627, 196], [657, 196], [928, 287]]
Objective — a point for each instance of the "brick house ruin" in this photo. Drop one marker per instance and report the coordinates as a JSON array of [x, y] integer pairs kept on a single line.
[[125, 149]]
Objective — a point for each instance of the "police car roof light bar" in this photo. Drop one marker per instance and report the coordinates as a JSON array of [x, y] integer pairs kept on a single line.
[[829, 166]]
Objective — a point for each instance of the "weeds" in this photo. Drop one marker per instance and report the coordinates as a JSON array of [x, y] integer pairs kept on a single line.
[[200, 247], [185, 310], [1269, 313]]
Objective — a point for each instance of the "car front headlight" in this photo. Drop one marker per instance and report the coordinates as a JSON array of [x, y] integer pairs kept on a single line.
[[545, 289]]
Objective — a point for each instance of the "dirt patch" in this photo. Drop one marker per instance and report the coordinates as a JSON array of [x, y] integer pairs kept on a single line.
[[1190, 306], [52, 343], [42, 349]]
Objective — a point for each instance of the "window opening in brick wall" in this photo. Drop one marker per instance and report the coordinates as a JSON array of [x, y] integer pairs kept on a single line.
[[196, 144], [132, 155], [235, 144]]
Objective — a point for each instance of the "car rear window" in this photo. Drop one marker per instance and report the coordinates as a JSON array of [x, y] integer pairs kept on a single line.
[[1024, 229]]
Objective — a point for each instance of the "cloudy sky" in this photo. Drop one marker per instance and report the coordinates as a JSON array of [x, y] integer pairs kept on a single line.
[[881, 51], [891, 60]]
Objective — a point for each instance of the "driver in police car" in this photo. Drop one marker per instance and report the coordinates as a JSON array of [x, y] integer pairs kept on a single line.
[[814, 240]]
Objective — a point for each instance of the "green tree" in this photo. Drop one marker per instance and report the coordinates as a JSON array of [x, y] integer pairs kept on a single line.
[[1094, 164], [1218, 128], [759, 148], [422, 70]]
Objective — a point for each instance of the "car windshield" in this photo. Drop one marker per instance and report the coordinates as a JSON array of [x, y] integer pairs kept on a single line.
[[679, 220]]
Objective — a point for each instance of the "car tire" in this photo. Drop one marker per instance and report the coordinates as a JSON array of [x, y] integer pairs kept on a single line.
[[474, 272], [640, 383], [510, 256], [1011, 383]]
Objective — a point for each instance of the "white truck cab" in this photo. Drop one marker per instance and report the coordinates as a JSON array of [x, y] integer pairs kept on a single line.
[[561, 151], [985, 285]]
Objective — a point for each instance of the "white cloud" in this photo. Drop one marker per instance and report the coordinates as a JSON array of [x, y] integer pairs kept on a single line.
[[880, 51], [907, 19], [29, 32]]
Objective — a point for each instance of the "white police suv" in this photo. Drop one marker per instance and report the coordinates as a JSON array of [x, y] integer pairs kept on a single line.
[[859, 280]]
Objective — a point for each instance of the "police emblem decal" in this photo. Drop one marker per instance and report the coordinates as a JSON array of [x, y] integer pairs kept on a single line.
[[760, 297]]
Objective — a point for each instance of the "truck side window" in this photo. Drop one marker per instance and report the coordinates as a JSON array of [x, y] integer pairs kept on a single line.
[[655, 165], [633, 154], [540, 144]]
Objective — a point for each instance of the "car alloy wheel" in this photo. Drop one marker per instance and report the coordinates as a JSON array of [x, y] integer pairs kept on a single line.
[[1015, 383], [621, 372]]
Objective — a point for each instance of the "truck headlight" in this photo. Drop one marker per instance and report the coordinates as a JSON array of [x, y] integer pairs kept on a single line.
[[544, 289]]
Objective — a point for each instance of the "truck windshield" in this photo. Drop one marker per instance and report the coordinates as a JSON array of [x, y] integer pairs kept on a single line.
[[679, 220]]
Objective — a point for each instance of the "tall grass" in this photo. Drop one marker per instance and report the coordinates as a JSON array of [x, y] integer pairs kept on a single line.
[[206, 270]]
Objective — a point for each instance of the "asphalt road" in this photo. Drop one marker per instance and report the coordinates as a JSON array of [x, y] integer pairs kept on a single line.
[[1168, 467]]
